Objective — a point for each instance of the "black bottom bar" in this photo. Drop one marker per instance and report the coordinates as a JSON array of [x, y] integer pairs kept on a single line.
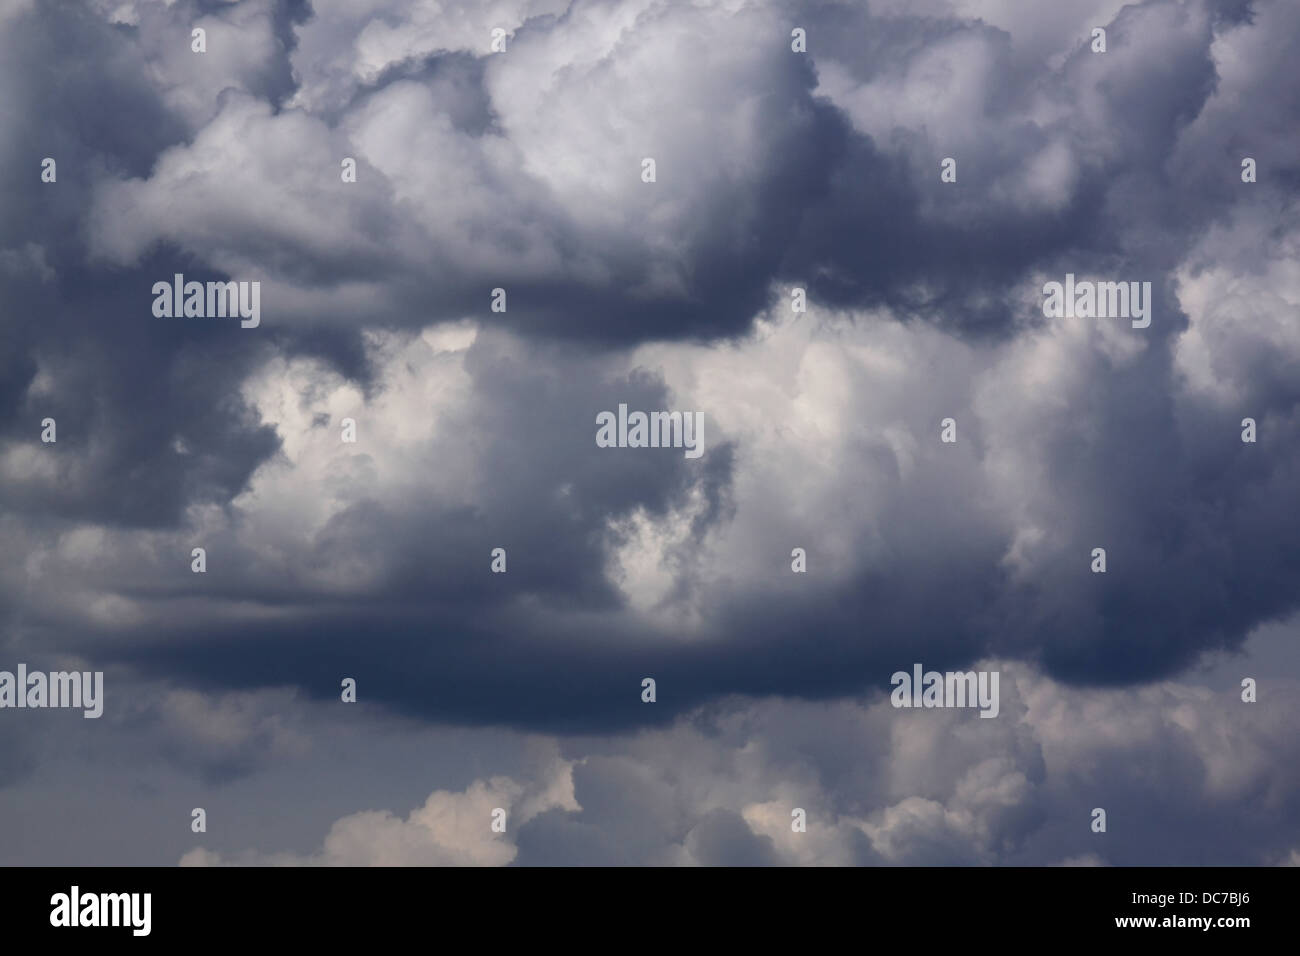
[[330, 906]]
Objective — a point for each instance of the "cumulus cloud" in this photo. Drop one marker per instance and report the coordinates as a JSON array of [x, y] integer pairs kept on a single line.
[[776, 170], [450, 829], [1182, 774]]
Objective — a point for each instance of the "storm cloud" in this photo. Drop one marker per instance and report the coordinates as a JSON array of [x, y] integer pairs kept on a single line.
[[522, 170]]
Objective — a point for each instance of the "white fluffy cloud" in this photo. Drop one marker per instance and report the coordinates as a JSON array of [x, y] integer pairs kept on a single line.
[[450, 829]]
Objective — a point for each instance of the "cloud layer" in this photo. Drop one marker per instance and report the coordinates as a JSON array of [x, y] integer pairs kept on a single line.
[[776, 170]]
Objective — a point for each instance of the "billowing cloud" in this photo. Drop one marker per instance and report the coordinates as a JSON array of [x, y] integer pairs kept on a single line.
[[521, 169], [879, 786]]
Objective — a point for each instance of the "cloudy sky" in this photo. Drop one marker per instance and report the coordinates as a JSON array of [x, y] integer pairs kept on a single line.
[[522, 169]]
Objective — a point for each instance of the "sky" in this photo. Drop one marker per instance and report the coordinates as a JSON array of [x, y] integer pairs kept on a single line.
[[913, 171]]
